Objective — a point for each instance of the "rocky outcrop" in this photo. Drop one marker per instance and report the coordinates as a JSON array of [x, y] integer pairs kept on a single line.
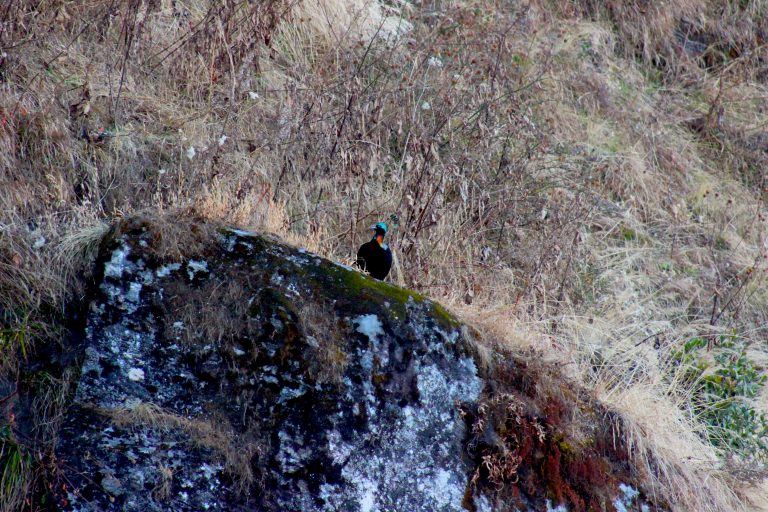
[[223, 370], [254, 376]]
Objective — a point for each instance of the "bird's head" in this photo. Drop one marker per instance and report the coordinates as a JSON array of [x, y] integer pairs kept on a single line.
[[379, 231]]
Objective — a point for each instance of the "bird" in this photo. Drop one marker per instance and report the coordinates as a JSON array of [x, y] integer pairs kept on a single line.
[[375, 256]]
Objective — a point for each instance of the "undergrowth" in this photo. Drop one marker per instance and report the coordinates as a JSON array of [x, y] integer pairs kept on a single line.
[[14, 344], [526, 452], [727, 383], [15, 470]]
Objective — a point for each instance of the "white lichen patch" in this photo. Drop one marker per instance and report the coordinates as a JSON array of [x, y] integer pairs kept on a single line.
[[287, 394], [196, 266], [125, 299], [292, 452], [147, 277], [449, 337], [440, 488], [626, 502], [369, 325], [433, 386], [211, 471], [136, 374], [559, 508], [340, 451], [483, 504], [116, 265], [433, 478], [269, 379], [342, 265], [166, 270], [240, 232], [367, 496], [133, 293], [299, 261]]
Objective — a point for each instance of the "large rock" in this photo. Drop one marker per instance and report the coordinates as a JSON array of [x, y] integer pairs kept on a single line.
[[223, 370], [254, 376]]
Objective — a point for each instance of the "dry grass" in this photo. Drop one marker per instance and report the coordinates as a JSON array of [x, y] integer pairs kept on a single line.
[[16, 478], [162, 490], [173, 236], [235, 452], [573, 178], [217, 312], [329, 356]]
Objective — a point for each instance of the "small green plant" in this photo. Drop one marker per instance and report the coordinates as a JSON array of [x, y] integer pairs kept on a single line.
[[629, 234], [14, 470], [721, 244], [725, 387], [586, 48], [521, 60], [16, 335], [13, 338]]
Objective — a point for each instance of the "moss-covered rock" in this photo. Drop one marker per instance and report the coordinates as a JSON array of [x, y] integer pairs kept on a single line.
[[263, 377], [224, 370]]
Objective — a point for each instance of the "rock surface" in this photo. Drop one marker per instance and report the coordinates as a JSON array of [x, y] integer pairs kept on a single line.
[[254, 376], [223, 370]]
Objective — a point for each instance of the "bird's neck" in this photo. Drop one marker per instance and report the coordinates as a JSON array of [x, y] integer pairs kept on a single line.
[[379, 239]]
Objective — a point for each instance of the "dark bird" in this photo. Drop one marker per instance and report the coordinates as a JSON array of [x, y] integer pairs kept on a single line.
[[375, 257]]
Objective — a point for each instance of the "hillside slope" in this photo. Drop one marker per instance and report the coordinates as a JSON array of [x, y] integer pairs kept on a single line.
[[583, 181]]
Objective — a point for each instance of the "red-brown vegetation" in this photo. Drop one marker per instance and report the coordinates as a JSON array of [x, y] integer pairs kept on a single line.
[[530, 443]]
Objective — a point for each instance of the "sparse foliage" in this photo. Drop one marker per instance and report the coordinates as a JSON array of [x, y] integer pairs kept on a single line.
[[726, 386]]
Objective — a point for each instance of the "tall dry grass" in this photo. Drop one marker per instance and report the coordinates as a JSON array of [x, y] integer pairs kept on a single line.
[[584, 178]]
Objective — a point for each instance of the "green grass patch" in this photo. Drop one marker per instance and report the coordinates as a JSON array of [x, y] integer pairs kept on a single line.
[[15, 341]]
